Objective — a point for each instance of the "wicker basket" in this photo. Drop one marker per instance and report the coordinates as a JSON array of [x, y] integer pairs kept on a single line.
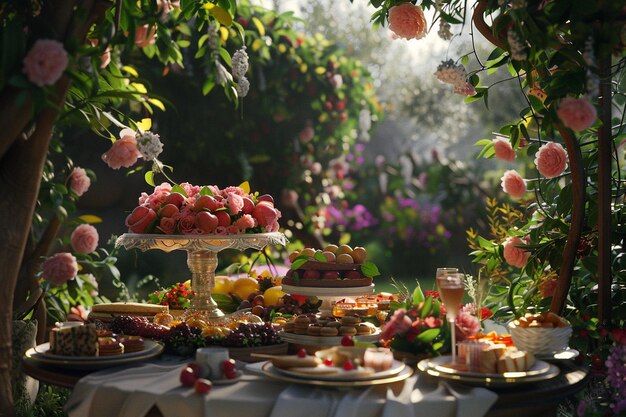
[[540, 340], [244, 353]]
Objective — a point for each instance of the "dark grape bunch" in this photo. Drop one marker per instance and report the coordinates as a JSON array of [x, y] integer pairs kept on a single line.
[[138, 326], [252, 334], [184, 340], [287, 306]]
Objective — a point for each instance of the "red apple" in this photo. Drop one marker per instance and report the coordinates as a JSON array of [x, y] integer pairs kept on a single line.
[[248, 205], [202, 386], [266, 197], [331, 275], [188, 377], [206, 202], [168, 210], [176, 199], [223, 218], [353, 275], [206, 221]]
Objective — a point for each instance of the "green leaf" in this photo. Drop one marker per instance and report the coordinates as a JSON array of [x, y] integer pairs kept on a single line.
[[222, 15], [206, 191], [369, 269], [428, 335], [178, 189], [298, 262], [418, 295], [428, 303], [149, 177], [208, 85], [319, 257]]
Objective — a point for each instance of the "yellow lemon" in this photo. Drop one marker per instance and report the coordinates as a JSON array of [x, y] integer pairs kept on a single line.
[[245, 286], [223, 285], [271, 295]]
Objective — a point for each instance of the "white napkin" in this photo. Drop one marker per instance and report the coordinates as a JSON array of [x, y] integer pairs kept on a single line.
[[471, 401], [419, 397]]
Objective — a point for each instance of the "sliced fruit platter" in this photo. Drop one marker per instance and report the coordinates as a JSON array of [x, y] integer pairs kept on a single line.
[[334, 266]]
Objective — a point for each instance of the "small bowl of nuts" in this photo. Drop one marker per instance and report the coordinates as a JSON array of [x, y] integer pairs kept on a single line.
[[540, 334]]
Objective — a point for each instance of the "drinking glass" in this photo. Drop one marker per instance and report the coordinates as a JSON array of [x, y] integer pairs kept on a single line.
[[451, 292]]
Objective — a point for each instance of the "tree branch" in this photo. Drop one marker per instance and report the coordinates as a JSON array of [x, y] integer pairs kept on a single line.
[[484, 29]]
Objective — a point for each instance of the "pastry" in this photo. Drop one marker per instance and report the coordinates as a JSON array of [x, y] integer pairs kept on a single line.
[[74, 341], [109, 346], [350, 320], [347, 330], [294, 361], [132, 343], [513, 360], [106, 311], [329, 331], [314, 330]]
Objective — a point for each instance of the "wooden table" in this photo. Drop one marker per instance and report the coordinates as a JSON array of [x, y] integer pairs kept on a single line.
[[528, 400]]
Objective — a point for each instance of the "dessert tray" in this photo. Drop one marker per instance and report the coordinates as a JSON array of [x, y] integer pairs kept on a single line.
[[398, 372], [40, 354], [308, 340], [440, 367]]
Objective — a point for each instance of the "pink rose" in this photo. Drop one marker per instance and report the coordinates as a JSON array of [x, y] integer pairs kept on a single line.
[[466, 325], [407, 21], [144, 35], [577, 113], [140, 219], [79, 182], [84, 238], [167, 225], [514, 255], [234, 202], [266, 215], [503, 149], [60, 268], [336, 80], [513, 184], [45, 62], [551, 160], [123, 153], [399, 324], [207, 222], [187, 223]]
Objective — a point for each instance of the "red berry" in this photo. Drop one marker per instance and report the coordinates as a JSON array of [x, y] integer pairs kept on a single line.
[[229, 366], [328, 362], [202, 386], [188, 377], [348, 366], [197, 369], [347, 341], [302, 353], [231, 374]]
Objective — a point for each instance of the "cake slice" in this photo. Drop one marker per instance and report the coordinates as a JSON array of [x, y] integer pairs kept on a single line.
[[514, 360]]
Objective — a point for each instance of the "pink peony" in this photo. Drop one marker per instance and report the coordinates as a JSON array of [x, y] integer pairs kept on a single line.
[[551, 160], [60, 268], [407, 21], [234, 202], [187, 223], [466, 325], [504, 150], [144, 35], [513, 184], [123, 153], [84, 238], [45, 62], [399, 324], [266, 215], [513, 255], [79, 182], [245, 222], [577, 113]]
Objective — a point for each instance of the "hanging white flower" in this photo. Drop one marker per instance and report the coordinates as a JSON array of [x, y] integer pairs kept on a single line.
[[444, 30], [149, 145], [451, 73], [240, 63], [243, 86], [222, 76], [213, 39]]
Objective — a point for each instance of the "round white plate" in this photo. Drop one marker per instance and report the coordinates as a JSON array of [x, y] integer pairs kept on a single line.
[[561, 355], [341, 375], [307, 340]]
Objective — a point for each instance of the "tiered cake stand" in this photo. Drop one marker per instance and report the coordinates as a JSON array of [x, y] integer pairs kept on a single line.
[[201, 260]]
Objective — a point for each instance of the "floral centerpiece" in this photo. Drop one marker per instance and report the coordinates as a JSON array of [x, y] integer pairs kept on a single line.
[[199, 210], [418, 328]]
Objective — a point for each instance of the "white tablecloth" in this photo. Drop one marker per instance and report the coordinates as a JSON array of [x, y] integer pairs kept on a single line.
[[132, 392]]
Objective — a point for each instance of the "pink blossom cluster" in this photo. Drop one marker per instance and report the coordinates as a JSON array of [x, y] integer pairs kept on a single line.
[[60, 268], [199, 210]]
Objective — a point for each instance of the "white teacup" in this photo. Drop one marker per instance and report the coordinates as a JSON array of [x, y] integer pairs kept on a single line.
[[213, 358]]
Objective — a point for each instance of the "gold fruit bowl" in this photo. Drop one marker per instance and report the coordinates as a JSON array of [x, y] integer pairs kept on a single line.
[[540, 340]]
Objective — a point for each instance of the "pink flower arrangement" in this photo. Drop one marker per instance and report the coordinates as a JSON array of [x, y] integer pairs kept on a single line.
[[577, 114], [190, 209], [551, 160], [503, 149], [45, 62], [123, 152], [514, 255], [84, 238], [513, 184], [407, 21], [79, 181], [466, 325], [60, 268]]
